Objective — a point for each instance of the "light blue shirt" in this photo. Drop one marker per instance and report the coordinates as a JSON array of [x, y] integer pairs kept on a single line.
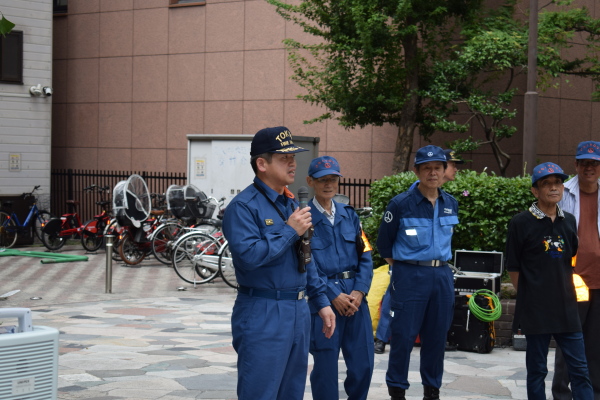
[[412, 229]]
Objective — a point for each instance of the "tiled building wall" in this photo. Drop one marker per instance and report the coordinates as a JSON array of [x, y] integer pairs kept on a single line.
[[134, 77]]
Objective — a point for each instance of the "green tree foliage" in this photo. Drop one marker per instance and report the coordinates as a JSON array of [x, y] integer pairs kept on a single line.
[[494, 50], [5, 26], [486, 204], [373, 55], [433, 66]]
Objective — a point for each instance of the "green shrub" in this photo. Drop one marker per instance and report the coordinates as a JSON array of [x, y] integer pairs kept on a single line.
[[486, 203]]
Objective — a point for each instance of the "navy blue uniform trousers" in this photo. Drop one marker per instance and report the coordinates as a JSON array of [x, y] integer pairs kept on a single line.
[[285, 326], [422, 304], [354, 336]]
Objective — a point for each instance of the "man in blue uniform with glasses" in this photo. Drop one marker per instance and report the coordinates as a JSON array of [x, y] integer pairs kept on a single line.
[[414, 238], [271, 318], [344, 263]]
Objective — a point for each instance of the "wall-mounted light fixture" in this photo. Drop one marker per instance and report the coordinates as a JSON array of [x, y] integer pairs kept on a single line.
[[39, 91], [36, 90]]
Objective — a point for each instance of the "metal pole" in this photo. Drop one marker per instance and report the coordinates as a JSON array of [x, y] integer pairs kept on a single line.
[[109, 252], [531, 96]]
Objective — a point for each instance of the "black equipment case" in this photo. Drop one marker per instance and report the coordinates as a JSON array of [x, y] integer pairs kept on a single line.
[[474, 270], [467, 332]]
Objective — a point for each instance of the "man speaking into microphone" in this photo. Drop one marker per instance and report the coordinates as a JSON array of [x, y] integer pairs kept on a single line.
[[270, 322], [344, 263]]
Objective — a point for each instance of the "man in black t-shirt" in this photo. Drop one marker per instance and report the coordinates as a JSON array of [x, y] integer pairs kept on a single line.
[[539, 248]]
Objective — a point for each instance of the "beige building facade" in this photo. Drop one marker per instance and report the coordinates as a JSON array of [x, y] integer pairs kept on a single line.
[[132, 78]]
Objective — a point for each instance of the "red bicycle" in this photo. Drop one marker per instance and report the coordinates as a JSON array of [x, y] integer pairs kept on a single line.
[[92, 235], [58, 230]]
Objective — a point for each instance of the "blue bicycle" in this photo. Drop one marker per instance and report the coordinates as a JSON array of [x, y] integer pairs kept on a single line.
[[11, 227]]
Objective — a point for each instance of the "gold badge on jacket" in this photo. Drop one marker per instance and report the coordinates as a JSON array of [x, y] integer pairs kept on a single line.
[[269, 222]]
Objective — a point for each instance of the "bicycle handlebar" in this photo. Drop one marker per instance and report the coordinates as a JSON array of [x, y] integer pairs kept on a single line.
[[25, 195], [209, 199]]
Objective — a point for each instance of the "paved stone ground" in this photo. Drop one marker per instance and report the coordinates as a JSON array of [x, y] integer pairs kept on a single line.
[[148, 340]]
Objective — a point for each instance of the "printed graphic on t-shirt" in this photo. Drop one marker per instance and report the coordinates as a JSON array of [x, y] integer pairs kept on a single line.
[[554, 246]]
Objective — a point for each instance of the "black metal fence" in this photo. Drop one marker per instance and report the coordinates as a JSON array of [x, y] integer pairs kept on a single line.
[[68, 184], [357, 190]]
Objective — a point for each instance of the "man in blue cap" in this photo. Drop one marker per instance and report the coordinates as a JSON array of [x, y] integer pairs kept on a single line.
[[345, 265], [382, 335], [271, 318], [539, 246], [582, 199], [414, 238]]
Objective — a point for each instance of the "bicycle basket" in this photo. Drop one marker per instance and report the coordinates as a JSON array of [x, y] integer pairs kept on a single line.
[[131, 201], [205, 208], [197, 203]]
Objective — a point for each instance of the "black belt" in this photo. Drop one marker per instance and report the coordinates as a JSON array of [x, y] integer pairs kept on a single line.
[[428, 263], [272, 293], [343, 275]]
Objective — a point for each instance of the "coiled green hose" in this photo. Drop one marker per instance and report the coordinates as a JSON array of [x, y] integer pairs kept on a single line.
[[483, 314]]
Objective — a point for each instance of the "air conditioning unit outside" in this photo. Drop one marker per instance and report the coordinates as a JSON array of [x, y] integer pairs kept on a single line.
[[29, 359]]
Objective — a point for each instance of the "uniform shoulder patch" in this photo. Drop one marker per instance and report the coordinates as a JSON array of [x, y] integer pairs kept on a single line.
[[388, 217]]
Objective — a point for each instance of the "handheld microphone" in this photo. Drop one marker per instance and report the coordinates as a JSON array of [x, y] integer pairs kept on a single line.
[[303, 200], [304, 251]]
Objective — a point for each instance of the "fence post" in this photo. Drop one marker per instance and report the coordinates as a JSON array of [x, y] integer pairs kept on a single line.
[[70, 184]]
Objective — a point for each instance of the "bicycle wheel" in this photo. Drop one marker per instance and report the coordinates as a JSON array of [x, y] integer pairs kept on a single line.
[[51, 234], [226, 268], [163, 241], [40, 221], [195, 258], [8, 231], [131, 252], [92, 235]]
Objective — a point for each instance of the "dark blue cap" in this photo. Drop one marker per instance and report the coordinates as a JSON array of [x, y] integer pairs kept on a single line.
[[451, 156], [430, 153], [588, 150], [546, 169], [324, 165], [274, 140]]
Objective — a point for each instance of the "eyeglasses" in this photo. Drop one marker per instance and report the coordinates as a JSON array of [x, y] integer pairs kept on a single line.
[[588, 163], [547, 183], [328, 179]]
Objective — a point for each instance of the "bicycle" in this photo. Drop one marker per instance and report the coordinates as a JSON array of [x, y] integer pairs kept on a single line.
[[135, 243], [196, 257], [165, 235], [57, 231], [11, 227], [92, 235], [226, 267]]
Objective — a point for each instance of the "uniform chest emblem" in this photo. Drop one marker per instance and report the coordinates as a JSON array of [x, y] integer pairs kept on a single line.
[[268, 221]]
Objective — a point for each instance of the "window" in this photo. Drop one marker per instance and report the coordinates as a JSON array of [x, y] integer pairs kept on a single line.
[[60, 6], [11, 57]]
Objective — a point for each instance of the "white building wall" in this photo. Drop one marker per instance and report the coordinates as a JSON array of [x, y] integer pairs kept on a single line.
[[25, 120]]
